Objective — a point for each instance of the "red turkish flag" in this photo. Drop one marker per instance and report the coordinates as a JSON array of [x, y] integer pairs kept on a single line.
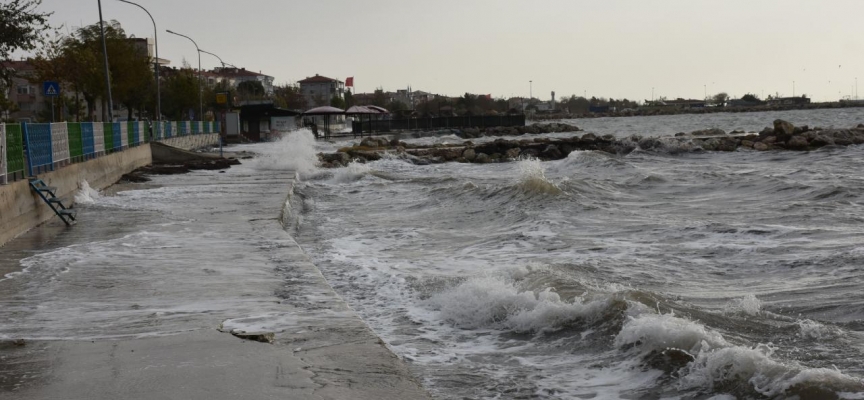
[[349, 82]]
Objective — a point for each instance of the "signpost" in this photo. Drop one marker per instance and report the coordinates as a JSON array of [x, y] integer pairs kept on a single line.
[[51, 89]]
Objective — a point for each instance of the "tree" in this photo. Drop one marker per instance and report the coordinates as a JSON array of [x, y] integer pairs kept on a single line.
[[180, 93], [720, 99], [289, 96], [396, 105], [21, 28], [337, 102], [749, 97], [250, 89], [349, 99], [378, 98]]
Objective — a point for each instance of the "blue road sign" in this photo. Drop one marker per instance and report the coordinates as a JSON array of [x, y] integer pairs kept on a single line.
[[50, 88]]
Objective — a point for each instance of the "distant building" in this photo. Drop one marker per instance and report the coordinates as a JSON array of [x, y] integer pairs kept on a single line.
[[788, 101], [684, 103], [24, 95], [235, 76], [318, 90]]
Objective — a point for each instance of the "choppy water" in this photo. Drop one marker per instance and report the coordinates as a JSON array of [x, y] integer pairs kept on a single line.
[[696, 276]]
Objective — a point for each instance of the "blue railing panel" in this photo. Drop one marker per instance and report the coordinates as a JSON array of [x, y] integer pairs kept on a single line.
[[39, 147], [89, 143]]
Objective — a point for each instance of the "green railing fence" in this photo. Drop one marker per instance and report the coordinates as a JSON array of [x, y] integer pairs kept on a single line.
[[27, 149]]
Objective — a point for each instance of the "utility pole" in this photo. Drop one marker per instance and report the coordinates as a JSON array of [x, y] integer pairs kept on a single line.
[[200, 82], [530, 90], [155, 63], [105, 59]]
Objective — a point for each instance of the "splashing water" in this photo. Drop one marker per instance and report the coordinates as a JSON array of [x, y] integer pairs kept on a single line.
[[352, 172], [295, 151], [532, 177], [86, 194], [748, 304]]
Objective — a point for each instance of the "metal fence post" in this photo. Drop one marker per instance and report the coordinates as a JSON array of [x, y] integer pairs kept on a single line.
[[27, 148], [3, 173]]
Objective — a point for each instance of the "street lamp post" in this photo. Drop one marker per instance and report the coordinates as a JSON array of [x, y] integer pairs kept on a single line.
[[200, 83], [530, 90], [220, 59], [155, 62], [105, 59]]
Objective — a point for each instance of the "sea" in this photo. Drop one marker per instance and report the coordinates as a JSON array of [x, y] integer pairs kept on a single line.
[[651, 275], [642, 276]]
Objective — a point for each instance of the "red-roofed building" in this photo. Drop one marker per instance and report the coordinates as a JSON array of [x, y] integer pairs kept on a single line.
[[318, 90]]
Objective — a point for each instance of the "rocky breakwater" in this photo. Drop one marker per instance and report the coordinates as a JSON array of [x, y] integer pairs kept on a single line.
[[783, 136], [535, 129]]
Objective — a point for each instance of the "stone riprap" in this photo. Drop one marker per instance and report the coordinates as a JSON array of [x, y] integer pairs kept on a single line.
[[783, 136]]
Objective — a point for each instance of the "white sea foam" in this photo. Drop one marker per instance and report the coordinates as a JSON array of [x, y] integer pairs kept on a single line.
[[748, 304], [496, 302], [86, 194], [294, 151], [532, 177], [815, 330], [658, 332], [350, 173], [755, 367]]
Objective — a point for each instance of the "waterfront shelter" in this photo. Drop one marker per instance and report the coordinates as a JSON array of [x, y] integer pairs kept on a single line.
[[258, 121], [322, 116]]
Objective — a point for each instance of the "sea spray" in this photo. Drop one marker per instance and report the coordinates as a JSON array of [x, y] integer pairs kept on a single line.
[[495, 301], [532, 177], [294, 151], [350, 173], [86, 194]]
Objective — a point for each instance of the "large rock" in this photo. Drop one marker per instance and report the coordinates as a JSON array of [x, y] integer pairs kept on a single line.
[[783, 129], [821, 140], [469, 154], [512, 153], [759, 146], [552, 152], [589, 138], [482, 158], [709, 132], [797, 143]]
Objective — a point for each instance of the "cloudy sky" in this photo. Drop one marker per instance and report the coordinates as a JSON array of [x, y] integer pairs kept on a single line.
[[610, 48]]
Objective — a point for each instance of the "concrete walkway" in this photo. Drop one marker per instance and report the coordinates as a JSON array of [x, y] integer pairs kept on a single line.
[[136, 300]]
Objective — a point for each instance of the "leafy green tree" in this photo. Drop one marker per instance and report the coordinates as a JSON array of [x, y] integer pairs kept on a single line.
[[720, 99], [289, 96], [250, 89], [179, 93], [396, 105], [337, 102], [378, 98], [750, 97], [349, 99]]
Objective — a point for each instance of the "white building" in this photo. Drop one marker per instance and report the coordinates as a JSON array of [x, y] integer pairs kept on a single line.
[[318, 90]]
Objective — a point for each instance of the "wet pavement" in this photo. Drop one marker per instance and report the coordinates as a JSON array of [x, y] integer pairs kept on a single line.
[[140, 299]]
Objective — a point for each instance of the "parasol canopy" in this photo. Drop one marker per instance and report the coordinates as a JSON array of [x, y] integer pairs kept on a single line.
[[360, 110], [326, 110]]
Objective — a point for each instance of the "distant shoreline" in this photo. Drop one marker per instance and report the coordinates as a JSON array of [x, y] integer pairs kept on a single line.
[[702, 110]]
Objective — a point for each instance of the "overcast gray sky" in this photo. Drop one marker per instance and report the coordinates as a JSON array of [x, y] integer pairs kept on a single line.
[[617, 48]]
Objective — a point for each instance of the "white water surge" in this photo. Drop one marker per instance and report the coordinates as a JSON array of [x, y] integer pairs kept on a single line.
[[691, 276]]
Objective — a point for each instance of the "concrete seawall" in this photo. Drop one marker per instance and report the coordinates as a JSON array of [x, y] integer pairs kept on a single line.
[[229, 262], [21, 209], [193, 141]]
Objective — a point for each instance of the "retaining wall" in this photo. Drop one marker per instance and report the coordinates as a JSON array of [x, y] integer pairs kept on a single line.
[[21, 209], [192, 142]]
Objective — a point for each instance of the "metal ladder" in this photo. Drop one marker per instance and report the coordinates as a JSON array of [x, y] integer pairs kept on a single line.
[[47, 194]]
